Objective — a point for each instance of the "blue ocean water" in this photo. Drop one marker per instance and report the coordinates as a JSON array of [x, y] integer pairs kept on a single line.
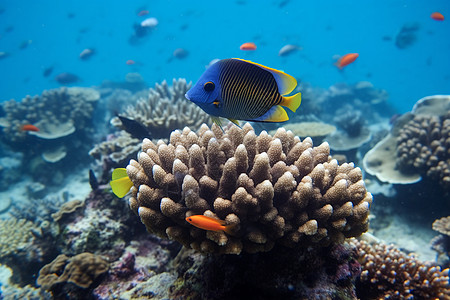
[[39, 35]]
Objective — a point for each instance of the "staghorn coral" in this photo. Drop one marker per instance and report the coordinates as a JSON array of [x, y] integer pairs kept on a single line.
[[388, 273], [272, 189], [72, 276], [422, 147]]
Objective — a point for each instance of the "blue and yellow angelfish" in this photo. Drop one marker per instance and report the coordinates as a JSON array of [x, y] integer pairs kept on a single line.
[[239, 89]]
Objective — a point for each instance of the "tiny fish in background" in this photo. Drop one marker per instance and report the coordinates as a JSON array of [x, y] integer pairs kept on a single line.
[[93, 182], [288, 49], [29, 127], [66, 78], [87, 53], [437, 16], [346, 60], [47, 71], [248, 46], [208, 223], [130, 62], [143, 13], [238, 89], [180, 53]]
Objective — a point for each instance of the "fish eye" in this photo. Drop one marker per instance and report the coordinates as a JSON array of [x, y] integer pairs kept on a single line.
[[190, 219], [209, 86]]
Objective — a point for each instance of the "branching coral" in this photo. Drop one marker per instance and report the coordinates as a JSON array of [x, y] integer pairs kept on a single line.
[[441, 243], [271, 189], [15, 236], [418, 144], [165, 109], [388, 273], [423, 147]]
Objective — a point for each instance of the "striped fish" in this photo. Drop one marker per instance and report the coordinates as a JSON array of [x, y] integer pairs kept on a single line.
[[239, 89]]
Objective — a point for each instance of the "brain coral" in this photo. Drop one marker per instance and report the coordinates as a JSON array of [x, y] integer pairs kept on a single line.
[[423, 147], [273, 189], [388, 273], [82, 270]]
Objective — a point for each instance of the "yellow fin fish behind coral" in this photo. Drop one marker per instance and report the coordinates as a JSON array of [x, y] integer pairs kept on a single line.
[[120, 183]]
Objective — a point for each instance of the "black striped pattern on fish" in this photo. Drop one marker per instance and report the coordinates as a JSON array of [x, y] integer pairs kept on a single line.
[[248, 91]]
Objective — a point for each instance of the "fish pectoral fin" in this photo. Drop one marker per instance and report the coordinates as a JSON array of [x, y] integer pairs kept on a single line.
[[120, 183], [285, 82], [292, 102], [236, 122], [217, 121], [275, 114]]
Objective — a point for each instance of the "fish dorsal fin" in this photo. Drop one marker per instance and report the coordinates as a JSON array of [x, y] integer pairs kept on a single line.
[[286, 83], [119, 173]]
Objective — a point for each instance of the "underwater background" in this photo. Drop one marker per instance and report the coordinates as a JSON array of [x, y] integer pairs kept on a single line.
[[82, 83]]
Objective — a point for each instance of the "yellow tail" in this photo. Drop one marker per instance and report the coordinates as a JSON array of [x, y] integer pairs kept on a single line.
[[292, 102], [120, 183]]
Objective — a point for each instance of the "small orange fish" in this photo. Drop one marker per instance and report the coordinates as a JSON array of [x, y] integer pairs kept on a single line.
[[248, 46], [209, 223], [437, 16], [130, 62], [29, 127], [346, 60]]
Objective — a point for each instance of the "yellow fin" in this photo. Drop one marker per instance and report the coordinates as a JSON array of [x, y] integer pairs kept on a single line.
[[120, 183], [292, 102], [217, 121], [236, 122], [275, 114], [286, 83]]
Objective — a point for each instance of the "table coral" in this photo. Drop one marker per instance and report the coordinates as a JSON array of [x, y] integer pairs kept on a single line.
[[388, 273], [72, 276], [272, 189]]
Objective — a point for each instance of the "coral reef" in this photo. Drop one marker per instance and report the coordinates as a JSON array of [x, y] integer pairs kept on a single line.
[[317, 131], [281, 274], [67, 208], [423, 146], [20, 245], [74, 277], [417, 145], [271, 189], [101, 227], [64, 118], [441, 243], [388, 273], [165, 109]]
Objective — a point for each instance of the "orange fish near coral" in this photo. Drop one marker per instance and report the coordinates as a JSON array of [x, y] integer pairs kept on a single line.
[[346, 60], [437, 16], [248, 46], [29, 127], [209, 223]]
